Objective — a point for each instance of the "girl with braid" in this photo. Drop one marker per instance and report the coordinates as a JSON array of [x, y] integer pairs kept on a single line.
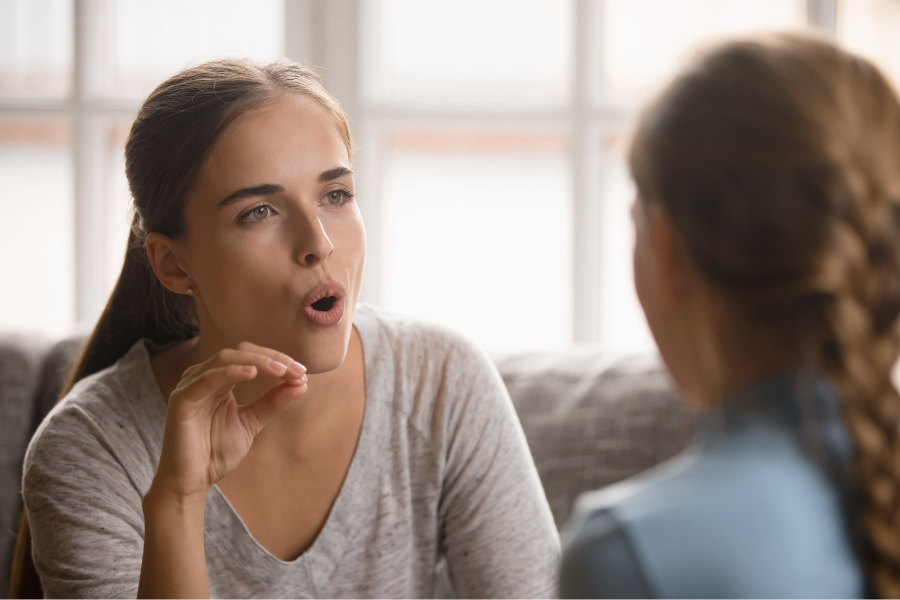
[[767, 261]]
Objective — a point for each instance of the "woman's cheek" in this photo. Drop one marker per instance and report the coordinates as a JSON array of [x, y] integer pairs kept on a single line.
[[356, 232]]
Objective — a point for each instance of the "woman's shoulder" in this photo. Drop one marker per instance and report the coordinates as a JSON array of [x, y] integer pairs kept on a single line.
[[418, 350], [754, 517], [410, 334], [431, 374], [111, 411]]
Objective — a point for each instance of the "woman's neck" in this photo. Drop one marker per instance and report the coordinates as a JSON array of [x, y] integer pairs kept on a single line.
[[710, 390], [723, 352]]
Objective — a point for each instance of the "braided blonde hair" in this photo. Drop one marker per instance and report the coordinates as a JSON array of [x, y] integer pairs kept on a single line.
[[778, 160]]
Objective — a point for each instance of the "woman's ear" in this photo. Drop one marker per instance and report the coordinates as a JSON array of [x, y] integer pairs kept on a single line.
[[671, 262], [164, 254]]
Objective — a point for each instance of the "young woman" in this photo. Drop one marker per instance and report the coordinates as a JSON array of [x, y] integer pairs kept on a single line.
[[238, 425], [767, 261]]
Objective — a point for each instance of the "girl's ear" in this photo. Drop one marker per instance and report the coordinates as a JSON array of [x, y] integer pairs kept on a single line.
[[672, 265], [165, 258]]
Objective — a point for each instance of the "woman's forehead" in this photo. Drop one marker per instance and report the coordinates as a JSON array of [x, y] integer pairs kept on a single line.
[[291, 122], [287, 139]]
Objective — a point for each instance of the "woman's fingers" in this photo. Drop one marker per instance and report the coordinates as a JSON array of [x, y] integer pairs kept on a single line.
[[293, 367], [213, 383], [272, 363], [258, 414], [264, 364]]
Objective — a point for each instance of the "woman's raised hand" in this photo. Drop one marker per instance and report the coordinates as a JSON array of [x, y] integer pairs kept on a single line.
[[207, 432], [207, 435]]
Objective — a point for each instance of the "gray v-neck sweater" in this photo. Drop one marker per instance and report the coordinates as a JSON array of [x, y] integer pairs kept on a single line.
[[441, 470]]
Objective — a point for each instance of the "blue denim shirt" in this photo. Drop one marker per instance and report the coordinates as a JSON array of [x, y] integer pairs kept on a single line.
[[759, 506]]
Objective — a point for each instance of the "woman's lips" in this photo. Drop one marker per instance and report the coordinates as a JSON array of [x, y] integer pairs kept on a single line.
[[326, 317], [330, 289]]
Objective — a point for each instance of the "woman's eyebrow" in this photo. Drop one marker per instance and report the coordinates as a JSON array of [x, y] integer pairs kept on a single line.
[[273, 188], [326, 176], [257, 190]]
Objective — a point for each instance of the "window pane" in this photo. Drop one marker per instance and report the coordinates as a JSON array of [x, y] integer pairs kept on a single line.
[[150, 40], [35, 47], [872, 28], [623, 327], [644, 41], [477, 234], [468, 51], [36, 233]]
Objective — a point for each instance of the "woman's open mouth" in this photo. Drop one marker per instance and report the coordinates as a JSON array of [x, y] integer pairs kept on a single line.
[[325, 304]]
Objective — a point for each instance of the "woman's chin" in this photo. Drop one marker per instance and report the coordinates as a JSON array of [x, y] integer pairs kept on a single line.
[[323, 352], [319, 349], [323, 363]]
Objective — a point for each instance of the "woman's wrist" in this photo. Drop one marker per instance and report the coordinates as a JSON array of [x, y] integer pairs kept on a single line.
[[164, 500], [174, 559]]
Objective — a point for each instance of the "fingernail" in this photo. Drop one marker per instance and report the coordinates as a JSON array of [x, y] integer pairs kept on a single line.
[[278, 367], [297, 367], [247, 369]]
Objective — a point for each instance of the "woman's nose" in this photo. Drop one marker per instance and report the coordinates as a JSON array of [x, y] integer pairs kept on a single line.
[[314, 245]]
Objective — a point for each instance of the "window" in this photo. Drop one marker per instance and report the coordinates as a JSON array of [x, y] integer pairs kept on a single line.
[[493, 210], [72, 75], [497, 127], [491, 138], [37, 228], [36, 48]]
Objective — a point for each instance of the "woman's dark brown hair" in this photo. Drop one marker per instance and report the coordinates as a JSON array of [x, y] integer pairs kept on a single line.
[[174, 131], [778, 160]]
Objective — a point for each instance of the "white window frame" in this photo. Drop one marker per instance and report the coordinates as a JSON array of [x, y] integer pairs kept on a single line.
[[327, 35]]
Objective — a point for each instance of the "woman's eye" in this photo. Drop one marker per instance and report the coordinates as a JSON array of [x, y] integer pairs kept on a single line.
[[258, 214], [337, 197]]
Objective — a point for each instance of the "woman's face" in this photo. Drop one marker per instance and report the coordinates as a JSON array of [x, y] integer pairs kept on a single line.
[[275, 243]]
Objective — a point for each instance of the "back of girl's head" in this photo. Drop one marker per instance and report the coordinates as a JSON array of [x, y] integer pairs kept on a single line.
[[778, 161], [174, 132]]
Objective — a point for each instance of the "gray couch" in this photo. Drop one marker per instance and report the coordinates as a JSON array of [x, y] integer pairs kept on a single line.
[[590, 418]]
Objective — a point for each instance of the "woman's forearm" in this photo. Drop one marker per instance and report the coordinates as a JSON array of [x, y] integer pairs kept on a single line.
[[207, 435], [174, 562]]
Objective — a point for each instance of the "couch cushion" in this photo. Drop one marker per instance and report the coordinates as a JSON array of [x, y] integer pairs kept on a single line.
[[20, 362], [592, 418]]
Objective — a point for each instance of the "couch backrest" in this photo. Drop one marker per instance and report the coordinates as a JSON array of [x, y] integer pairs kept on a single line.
[[592, 418], [20, 365]]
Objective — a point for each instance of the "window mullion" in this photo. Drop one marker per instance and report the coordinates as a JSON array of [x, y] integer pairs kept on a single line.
[[822, 14], [302, 31], [87, 160], [586, 208]]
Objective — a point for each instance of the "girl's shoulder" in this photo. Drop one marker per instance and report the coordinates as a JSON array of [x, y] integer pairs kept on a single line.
[[752, 518]]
